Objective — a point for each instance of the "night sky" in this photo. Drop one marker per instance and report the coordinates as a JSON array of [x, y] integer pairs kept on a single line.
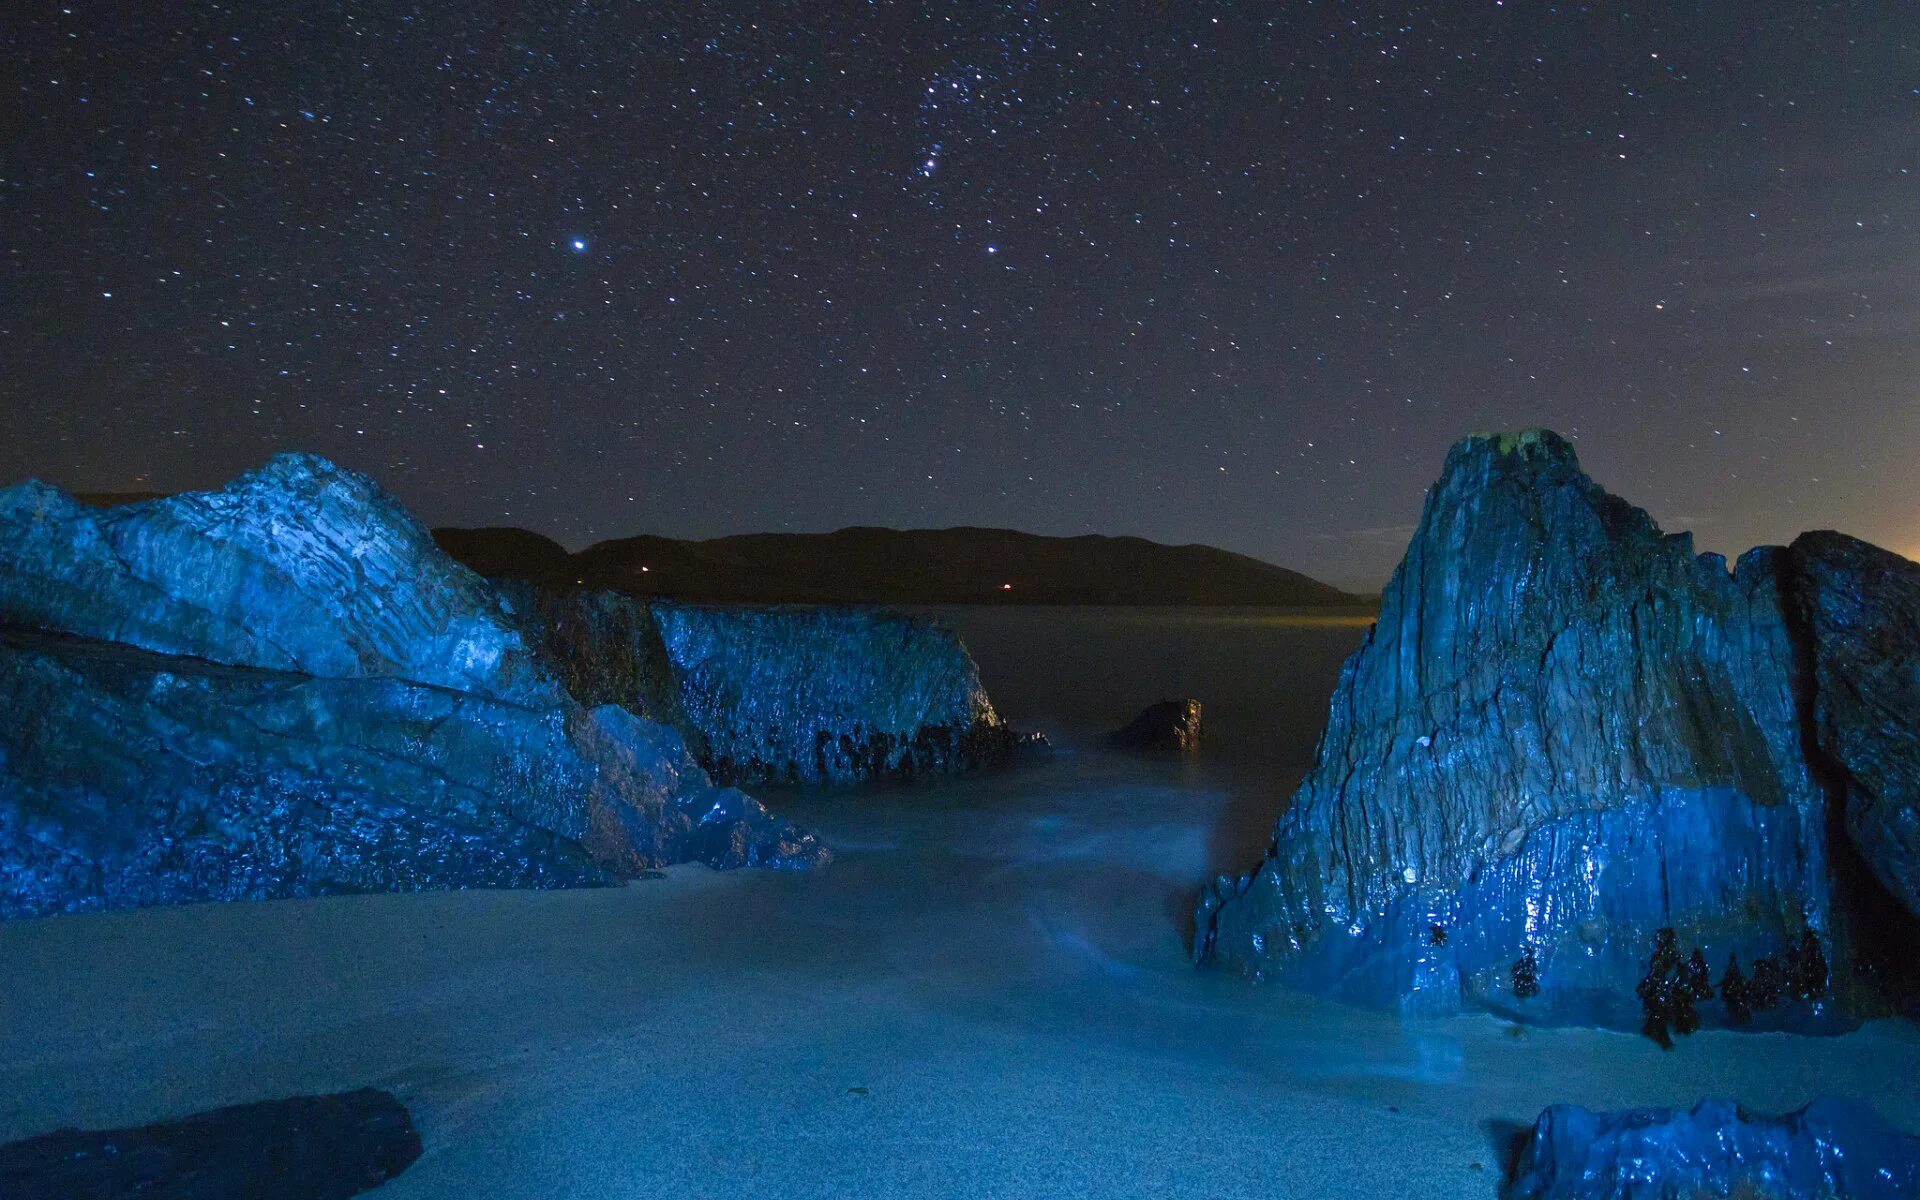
[[1232, 273]]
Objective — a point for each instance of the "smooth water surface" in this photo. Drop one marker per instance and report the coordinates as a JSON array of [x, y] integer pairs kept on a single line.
[[988, 993]]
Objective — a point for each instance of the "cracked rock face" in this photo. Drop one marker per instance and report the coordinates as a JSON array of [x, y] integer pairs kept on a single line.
[[1861, 607], [1829, 1150], [1568, 743], [284, 688]]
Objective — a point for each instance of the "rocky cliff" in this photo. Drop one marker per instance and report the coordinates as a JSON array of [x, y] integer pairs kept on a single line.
[[285, 688], [1570, 776]]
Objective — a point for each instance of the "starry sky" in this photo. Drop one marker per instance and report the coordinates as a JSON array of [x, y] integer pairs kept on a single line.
[[1235, 273]]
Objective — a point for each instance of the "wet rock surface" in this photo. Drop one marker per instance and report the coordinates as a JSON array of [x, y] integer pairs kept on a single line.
[[1168, 727], [1572, 764], [304, 1148], [285, 688], [1829, 1150]]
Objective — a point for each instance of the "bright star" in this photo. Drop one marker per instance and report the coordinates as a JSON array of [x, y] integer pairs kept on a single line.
[[579, 245]]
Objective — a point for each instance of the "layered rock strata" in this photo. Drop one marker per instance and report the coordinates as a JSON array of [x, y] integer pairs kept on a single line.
[[284, 688]]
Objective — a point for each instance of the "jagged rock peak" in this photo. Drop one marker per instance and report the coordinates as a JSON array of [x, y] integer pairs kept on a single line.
[[300, 565], [1568, 749]]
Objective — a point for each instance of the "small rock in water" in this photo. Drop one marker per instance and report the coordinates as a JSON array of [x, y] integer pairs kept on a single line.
[[1829, 1150], [1169, 727], [304, 1148]]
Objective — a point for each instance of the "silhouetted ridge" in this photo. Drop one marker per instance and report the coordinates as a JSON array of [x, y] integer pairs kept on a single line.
[[867, 565]]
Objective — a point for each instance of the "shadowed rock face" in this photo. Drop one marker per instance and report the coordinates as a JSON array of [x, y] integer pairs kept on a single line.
[[604, 647], [1861, 606], [304, 1148], [1168, 727], [1566, 736], [1829, 1150], [285, 689]]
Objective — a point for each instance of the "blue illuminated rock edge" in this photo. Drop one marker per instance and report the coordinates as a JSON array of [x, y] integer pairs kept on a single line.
[[1829, 1150], [284, 688]]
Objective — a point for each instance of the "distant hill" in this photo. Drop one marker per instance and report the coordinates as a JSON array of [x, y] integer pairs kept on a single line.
[[110, 499], [890, 566]]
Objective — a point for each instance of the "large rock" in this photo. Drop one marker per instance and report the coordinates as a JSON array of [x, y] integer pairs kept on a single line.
[[285, 689], [1563, 779], [1861, 607], [824, 695], [298, 566], [1829, 1150], [1165, 727], [303, 1148], [775, 695]]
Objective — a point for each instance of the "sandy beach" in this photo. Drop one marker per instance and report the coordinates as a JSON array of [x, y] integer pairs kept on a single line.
[[987, 995]]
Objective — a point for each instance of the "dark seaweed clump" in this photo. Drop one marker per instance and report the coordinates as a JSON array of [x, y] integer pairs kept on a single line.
[[1674, 986], [1526, 975]]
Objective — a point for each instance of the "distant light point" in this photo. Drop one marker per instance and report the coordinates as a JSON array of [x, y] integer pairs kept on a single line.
[[579, 245]]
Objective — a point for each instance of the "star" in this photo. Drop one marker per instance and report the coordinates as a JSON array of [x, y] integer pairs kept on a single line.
[[579, 245]]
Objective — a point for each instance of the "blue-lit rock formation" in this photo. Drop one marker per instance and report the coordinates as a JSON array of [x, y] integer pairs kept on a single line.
[[803, 695], [775, 695], [1829, 1150], [298, 566], [1861, 607], [284, 688], [1565, 778]]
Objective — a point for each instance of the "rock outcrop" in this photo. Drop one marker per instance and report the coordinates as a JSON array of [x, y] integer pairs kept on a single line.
[[775, 695], [298, 566], [1566, 778], [284, 688], [1168, 727], [1829, 1150], [1861, 611], [795, 695], [304, 1148]]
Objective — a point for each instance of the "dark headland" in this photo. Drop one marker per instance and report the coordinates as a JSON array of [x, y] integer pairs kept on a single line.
[[864, 565]]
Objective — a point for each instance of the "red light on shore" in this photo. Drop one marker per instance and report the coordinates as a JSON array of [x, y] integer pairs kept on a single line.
[[1006, 587]]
